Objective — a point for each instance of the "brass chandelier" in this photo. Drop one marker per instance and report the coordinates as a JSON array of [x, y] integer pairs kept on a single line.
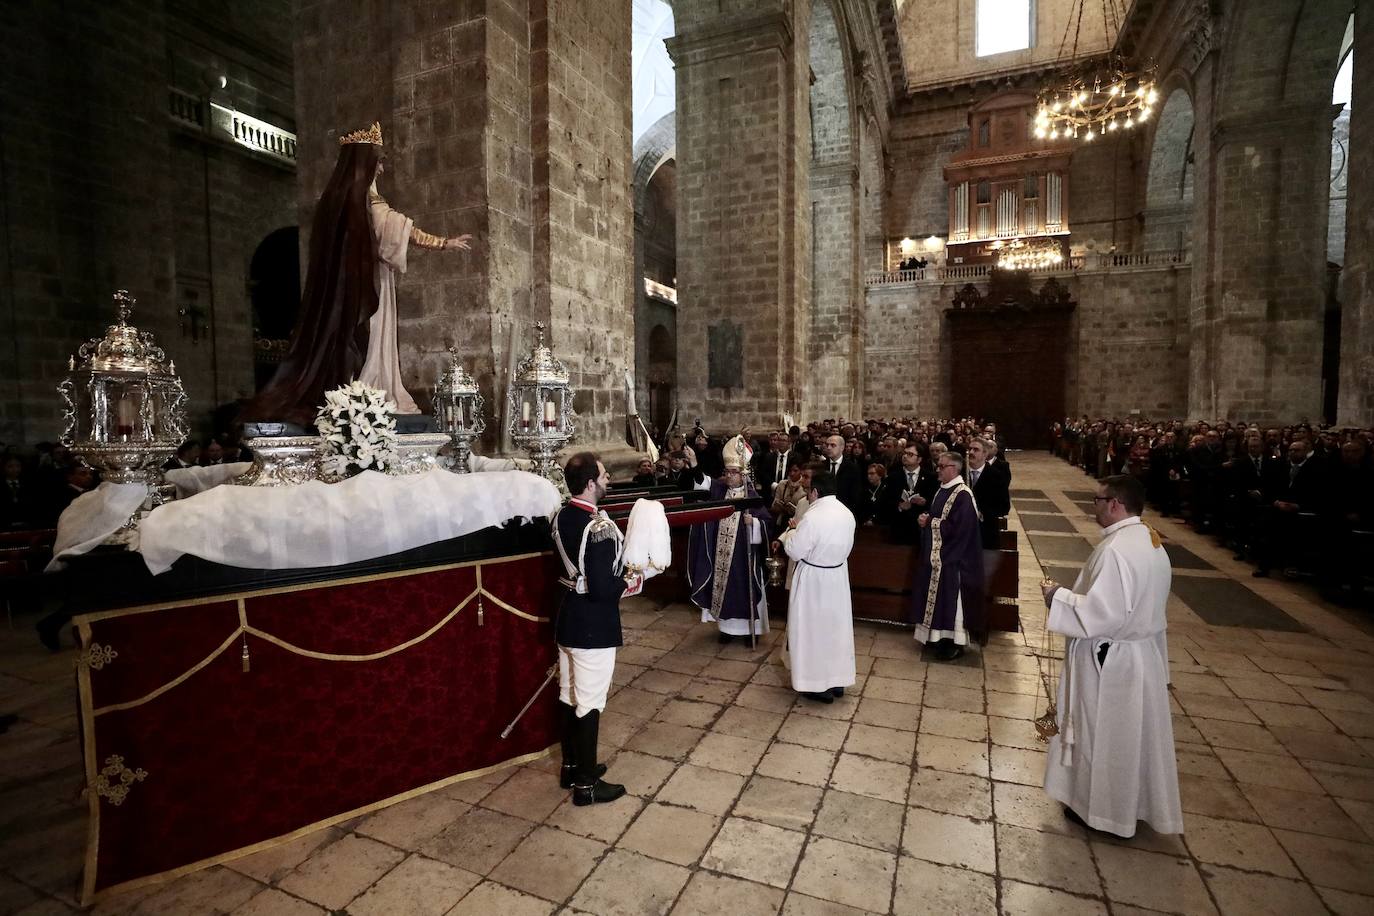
[[1087, 100]]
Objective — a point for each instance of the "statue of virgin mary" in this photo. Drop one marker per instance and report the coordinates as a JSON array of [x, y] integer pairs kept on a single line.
[[346, 329]]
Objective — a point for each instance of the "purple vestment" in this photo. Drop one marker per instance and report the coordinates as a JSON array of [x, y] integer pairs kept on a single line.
[[948, 599], [742, 565]]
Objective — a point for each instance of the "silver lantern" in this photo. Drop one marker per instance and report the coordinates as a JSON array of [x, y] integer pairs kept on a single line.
[[125, 409], [458, 409], [539, 405]]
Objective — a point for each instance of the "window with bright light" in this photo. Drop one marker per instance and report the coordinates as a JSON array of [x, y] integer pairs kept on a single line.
[[1003, 25], [1340, 92]]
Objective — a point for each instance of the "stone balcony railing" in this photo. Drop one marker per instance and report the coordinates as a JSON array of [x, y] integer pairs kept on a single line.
[[1074, 265], [226, 124]]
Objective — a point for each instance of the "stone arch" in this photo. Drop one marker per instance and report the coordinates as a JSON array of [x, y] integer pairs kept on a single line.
[[1169, 181], [654, 190], [834, 336]]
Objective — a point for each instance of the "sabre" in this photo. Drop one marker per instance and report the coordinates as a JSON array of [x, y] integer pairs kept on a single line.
[[553, 673]]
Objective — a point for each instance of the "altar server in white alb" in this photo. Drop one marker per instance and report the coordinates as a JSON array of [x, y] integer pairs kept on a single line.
[[1112, 762], [820, 625]]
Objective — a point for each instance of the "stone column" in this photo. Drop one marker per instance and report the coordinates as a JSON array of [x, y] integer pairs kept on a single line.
[[509, 120], [1260, 320], [744, 234], [1356, 394], [583, 211]]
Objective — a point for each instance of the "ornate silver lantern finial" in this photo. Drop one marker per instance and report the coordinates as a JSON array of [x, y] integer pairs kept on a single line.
[[125, 408], [458, 409], [539, 405]]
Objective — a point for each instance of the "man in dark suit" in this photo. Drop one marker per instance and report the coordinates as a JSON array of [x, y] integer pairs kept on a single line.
[[20, 505], [1246, 477], [1294, 487], [589, 546], [849, 477], [187, 456], [991, 491], [910, 489], [770, 465]]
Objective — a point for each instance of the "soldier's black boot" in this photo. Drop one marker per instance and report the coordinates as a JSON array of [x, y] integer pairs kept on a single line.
[[588, 788], [567, 722]]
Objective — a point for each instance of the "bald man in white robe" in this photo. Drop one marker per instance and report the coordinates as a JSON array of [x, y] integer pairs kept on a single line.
[[1112, 763], [820, 621]]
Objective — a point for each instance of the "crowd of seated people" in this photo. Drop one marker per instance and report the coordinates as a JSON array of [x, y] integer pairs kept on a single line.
[[885, 468], [41, 483], [1294, 498]]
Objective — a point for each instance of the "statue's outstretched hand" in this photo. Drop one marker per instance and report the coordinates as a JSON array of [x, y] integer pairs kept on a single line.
[[462, 242]]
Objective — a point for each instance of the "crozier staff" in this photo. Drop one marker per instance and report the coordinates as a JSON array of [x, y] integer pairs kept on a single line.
[[588, 628]]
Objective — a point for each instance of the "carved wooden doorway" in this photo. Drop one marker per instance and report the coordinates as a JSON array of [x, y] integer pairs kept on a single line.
[[1010, 357]]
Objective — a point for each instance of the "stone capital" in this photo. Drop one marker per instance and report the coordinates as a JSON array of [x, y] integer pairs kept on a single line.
[[732, 37]]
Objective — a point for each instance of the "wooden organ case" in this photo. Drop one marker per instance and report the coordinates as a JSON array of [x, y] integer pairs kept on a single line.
[[1006, 188]]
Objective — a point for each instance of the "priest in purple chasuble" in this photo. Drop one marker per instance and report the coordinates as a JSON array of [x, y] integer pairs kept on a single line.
[[948, 598], [725, 570]]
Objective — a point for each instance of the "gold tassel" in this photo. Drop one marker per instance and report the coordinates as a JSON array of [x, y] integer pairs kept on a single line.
[[481, 611], [245, 653]]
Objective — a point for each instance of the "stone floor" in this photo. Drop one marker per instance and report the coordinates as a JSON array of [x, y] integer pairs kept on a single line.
[[919, 792]]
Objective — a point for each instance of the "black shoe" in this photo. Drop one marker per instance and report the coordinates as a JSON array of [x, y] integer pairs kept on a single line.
[[948, 650], [822, 697], [567, 776], [724, 638], [596, 793], [837, 691], [50, 634], [1072, 815], [1261, 573]]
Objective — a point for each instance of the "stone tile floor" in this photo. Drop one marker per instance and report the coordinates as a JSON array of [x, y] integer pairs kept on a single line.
[[919, 792]]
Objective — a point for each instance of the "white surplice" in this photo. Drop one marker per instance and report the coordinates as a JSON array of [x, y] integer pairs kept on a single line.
[[382, 368], [1113, 759], [820, 624]]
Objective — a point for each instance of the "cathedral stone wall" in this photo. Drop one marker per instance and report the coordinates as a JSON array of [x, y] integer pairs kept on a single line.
[[920, 146], [103, 190], [1127, 349]]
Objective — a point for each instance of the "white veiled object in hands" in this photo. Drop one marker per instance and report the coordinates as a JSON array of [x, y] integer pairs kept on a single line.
[[648, 546]]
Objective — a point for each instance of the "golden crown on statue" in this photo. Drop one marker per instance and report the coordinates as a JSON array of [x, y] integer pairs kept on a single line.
[[372, 135]]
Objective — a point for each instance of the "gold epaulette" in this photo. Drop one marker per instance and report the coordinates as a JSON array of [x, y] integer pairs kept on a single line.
[[602, 528]]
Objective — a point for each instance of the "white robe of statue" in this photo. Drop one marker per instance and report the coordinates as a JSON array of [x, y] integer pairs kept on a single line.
[[820, 623], [1113, 760], [382, 368]]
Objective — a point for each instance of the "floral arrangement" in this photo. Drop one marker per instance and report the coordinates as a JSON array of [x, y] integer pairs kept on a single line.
[[358, 426]]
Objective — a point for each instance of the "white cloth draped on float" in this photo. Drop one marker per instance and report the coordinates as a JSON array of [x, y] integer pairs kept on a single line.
[[1113, 759], [190, 481], [382, 368], [313, 524], [820, 623], [648, 541], [94, 516]]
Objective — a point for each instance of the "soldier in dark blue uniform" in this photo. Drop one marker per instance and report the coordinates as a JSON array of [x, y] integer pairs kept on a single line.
[[588, 628]]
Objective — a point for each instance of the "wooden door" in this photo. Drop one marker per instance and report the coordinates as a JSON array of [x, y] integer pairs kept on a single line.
[[1010, 367]]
